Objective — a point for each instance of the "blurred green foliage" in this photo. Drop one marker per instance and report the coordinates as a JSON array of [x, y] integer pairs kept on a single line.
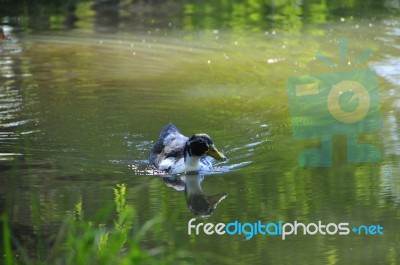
[[81, 241]]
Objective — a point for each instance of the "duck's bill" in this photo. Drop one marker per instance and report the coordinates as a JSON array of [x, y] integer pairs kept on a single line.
[[213, 152]]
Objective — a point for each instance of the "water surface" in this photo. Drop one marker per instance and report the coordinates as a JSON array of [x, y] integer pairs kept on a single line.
[[80, 111]]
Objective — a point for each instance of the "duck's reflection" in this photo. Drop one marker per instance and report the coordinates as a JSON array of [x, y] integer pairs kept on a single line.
[[197, 201]]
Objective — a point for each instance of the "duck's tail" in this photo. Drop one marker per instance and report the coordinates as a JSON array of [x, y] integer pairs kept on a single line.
[[158, 147], [168, 129]]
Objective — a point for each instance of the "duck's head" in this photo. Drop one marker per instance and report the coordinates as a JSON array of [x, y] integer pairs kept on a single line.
[[200, 145]]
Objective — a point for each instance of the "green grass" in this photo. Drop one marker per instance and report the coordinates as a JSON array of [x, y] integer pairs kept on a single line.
[[83, 242]]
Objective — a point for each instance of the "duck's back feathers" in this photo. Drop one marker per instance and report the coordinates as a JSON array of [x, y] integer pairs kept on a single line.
[[171, 143]]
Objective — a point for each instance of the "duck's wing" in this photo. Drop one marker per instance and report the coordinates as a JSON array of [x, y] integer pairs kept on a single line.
[[170, 144]]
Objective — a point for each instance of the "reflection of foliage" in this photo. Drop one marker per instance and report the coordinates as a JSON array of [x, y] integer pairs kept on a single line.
[[6, 251], [249, 15]]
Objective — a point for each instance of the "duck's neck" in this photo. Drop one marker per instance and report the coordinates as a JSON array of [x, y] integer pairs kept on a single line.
[[192, 163]]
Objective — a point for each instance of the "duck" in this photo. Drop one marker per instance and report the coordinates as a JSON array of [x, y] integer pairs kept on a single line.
[[175, 153]]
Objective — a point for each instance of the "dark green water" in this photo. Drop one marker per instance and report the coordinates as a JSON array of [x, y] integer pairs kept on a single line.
[[80, 110]]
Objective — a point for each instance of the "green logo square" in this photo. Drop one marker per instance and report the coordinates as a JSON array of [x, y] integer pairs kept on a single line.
[[344, 103]]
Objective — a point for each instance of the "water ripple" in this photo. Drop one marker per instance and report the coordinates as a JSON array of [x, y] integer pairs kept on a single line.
[[388, 69]]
